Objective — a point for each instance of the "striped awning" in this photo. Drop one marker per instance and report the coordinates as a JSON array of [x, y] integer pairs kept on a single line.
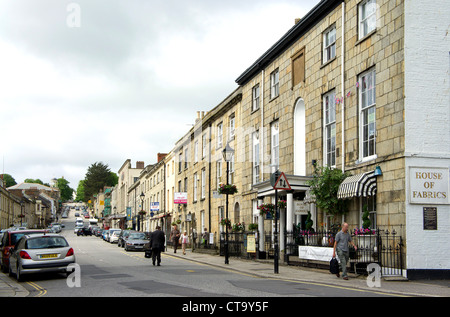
[[361, 185]]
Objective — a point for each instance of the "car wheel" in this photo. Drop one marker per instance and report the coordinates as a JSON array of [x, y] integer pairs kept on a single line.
[[10, 272], [18, 275]]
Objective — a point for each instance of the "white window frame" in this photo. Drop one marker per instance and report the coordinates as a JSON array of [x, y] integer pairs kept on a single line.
[[203, 189], [275, 146], [204, 146], [329, 126], [329, 44], [275, 84], [196, 151], [232, 127], [218, 172], [219, 135], [367, 17], [256, 165], [195, 186], [367, 115], [231, 169], [256, 97]]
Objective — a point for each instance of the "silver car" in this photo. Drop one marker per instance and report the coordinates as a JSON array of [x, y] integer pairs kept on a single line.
[[40, 253], [136, 241]]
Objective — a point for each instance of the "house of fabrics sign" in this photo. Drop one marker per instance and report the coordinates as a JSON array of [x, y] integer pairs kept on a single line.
[[429, 185]]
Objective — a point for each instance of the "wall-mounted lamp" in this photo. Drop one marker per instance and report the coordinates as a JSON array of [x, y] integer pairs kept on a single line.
[[377, 171]]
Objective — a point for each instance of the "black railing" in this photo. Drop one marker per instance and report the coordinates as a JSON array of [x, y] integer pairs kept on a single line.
[[381, 247]]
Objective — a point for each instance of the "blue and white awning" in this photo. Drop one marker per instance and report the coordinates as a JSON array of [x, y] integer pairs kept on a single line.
[[361, 185]]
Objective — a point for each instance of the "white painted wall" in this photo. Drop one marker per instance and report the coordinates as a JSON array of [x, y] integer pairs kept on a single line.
[[427, 122]]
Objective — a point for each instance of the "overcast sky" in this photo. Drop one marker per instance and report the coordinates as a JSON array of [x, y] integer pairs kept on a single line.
[[126, 81]]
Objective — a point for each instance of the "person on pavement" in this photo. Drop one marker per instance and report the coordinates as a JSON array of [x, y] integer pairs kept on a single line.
[[343, 238], [157, 241]]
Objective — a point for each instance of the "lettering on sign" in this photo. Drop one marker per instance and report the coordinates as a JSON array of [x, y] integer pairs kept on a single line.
[[429, 185]]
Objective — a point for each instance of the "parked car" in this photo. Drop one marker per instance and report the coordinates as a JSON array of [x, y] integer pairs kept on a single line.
[[114, 237], [78, 227], [84, 232], [110, 233], [105, 234], [40, 253], [137, 241], [56, 228], [9, 240], [77, 214], [123, 236]]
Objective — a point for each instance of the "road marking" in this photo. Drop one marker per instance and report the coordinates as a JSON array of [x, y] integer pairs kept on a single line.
[[42, 291]]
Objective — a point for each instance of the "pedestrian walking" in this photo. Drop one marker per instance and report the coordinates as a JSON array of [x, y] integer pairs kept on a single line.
[[343, 238], [157, 241], [175, 237], [205, 237], [184, 240]]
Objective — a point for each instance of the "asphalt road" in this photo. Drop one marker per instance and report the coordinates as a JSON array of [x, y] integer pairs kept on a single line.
[[108, 271]]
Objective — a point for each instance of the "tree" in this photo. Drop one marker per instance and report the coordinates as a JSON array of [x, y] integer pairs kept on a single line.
[[324, 186], [33, 181], [80, 191], [97, 177], [8, 180], [66, 191]]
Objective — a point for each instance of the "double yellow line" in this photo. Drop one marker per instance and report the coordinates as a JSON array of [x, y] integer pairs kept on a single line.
[[42, 291]]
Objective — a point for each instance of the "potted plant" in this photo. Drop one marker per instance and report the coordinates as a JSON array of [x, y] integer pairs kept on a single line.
[[227, 189]]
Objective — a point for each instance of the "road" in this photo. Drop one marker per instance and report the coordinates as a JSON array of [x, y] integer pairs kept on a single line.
[[108, 271]]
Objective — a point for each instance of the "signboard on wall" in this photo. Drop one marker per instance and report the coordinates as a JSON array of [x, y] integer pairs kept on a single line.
[[429, 185], [180, 198]]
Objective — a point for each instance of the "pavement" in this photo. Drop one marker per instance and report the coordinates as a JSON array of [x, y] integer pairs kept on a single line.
[[265, 269], [9, 287]]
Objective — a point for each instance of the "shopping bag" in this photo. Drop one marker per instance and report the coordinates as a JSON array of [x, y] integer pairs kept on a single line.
[[334, 266], [148, 253]]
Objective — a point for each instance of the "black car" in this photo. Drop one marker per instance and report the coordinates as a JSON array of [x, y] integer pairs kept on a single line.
[[84, 232], [123, 236]]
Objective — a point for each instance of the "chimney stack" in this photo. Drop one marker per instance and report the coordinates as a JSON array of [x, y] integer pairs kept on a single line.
[[140, 165], [297, 20]]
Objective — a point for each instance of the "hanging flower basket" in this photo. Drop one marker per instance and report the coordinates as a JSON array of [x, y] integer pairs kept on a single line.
[[142, 212], [282, 204], [253, 226], [238, 227], [267, 210], [227, 189], [225, 222]]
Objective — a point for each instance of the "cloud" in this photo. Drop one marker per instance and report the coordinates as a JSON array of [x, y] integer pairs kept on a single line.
[[127, 83]]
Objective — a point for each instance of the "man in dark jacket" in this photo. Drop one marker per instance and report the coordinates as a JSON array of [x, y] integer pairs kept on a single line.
[[157, 241]]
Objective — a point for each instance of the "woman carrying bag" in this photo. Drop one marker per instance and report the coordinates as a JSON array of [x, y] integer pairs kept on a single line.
[[184, 240]]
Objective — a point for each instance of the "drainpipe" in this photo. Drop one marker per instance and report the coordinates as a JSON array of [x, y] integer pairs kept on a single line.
[[209, 182], [343, 85], [261, 133]]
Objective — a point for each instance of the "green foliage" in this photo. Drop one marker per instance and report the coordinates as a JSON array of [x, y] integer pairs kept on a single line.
[[97, 177], [66, 191], [309, 223], [324, 186], [366, 219], [8, 180], [80, 191], [33, 181]]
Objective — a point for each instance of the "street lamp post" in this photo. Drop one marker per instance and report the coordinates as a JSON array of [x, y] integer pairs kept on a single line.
[[142, 211], [227, 153]]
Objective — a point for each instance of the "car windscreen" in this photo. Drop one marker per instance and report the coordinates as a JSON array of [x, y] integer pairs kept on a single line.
[[16, 236], [137, 236], [46, 243]]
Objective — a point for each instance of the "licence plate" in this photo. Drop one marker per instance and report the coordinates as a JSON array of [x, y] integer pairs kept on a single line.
[[138, 246], [48, 256]]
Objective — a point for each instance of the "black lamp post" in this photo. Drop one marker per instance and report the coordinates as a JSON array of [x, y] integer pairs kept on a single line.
[[227, 153], [142, 211]]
